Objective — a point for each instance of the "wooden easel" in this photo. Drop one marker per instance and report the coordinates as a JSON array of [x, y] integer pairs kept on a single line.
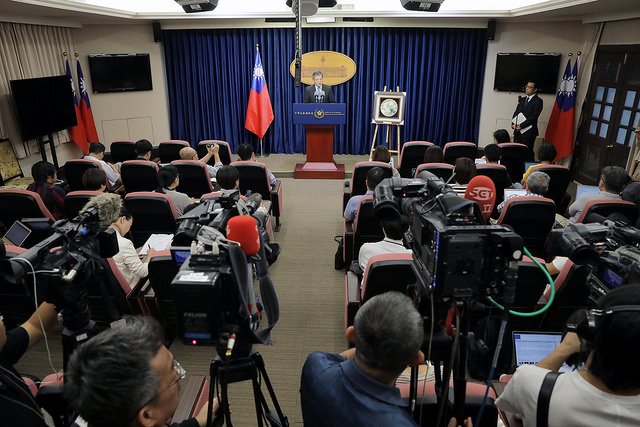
[[388, 137]]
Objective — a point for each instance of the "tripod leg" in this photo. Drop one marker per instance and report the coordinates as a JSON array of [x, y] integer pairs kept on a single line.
[[282, 419]]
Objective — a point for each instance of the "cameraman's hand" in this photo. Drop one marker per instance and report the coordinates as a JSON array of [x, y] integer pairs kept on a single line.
[[467, 422]]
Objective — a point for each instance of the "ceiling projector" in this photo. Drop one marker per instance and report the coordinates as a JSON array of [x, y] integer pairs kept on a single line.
[[310, 7], [422, 6], [191, 6]]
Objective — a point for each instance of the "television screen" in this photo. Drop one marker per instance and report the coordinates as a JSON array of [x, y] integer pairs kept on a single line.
[[44, 105], [120, 72], [514, 69]]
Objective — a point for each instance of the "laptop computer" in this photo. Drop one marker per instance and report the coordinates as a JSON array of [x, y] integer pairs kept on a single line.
[[17, 234], [586, 189], [517, 191], [531, 347]]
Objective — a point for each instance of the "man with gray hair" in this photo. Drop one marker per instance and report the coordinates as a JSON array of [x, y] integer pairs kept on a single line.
[[318, 93], [125, 376], [536, 185], [612, 181]]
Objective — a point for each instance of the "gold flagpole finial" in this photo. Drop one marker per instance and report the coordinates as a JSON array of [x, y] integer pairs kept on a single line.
[[64, 53], [77, 54], [579, 53], [570, 54]]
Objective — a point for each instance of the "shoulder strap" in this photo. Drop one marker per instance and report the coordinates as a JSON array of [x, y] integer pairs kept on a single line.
[[544, 397]]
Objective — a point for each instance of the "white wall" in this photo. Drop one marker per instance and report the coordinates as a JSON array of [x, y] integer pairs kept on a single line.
[[621, 32]]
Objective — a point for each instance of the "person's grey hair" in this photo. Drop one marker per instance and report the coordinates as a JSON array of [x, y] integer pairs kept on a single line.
[[316, 73], [615, 178], [538, 183], [109, 378], [388, 332]]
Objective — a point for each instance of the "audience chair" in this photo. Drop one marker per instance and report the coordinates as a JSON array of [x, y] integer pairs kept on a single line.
[[153, 213], [513, 158], [75, 168], [18, 204], [454, 150], [411, 155], [254, 178], [139, 175], [224, 153], [194, 178], [170, 150], [16, 305], [75, 201], [499, 175], [604, 208], [365, 228], [358, 185], [162, 304], [532, 218], [558, 184], [116, 288], [441, 170], [123, 150]]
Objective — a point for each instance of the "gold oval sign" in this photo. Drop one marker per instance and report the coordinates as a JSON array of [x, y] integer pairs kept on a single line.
[[336, 67]]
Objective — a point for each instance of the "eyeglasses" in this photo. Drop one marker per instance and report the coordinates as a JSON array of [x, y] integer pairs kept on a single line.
[[529, 87], [182, 373]]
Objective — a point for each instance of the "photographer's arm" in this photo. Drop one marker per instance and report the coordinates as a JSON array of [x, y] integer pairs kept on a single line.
[[49, 321], [569, 345]]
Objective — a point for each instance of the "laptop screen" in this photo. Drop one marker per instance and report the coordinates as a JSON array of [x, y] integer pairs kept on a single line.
[[517, 191], [530, 347], [17, 234], [586, 189]]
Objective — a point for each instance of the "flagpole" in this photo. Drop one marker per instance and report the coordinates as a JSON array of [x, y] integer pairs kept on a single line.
[[261, 148]]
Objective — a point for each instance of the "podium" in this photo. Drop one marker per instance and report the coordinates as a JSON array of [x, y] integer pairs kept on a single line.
[[319, 121]]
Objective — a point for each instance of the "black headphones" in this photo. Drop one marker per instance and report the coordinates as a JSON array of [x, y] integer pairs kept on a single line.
[[585, 323]]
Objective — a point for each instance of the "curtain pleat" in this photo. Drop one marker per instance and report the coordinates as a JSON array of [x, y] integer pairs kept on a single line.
[[441, 70]]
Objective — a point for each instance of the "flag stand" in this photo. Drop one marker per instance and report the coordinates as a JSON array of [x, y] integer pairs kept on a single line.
[[262, 151]]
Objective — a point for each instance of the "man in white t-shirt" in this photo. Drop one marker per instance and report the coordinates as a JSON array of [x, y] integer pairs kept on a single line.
[[96, 152], [393, 230]]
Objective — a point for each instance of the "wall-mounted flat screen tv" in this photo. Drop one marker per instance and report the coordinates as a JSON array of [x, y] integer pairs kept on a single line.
[[514, 69], [44, 105], [120, 72]]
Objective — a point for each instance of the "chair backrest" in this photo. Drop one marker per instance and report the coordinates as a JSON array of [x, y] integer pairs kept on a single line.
[[387, 272], [500, 177], [75, 168], [153, 213], [366, 226], [558, 183], [224, 153], [162, 270], [513, 157], [411, 155], [253, 177], [75, 201], [454, 150], [441, 170], [123, 150], [18, 204], [170, 150], [16, 305], [194, 178], [359, 176], [117, 290], [530, 285], [139, 175], [532, 218], [607, 207]]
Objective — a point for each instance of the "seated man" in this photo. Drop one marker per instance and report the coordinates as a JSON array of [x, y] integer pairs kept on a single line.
[[143, 149], [374, 176], [612, 182], [188, 153], [96, 152], [44, 177], [245, 153], [606, 391], [17, 405], [393, 230], [125, 376], [536, 186]]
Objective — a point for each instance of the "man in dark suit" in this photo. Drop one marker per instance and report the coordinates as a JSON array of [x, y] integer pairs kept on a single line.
[[530, 106], [318, 93]]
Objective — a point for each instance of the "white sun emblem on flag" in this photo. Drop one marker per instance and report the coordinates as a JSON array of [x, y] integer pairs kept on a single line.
[[568, 86], [83, 88], [258, 72]]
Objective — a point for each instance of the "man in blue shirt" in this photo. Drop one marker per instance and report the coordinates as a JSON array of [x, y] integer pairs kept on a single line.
[[374, 176]]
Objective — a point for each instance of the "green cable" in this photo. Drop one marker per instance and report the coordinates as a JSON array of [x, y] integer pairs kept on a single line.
[[551, 298]]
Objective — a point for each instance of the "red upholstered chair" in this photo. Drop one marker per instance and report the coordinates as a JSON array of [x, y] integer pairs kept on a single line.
[[75, 168], [153, 213], [358, 185], [254, 177], [557, 184], [170, 150], [122, 150], [532, 218], [162, 305], [411, 155], [454, 150], [18, 204], [139, 175], [75, 201], [224, 153], [194, 177], [513, 157], [607, 207], [441, 170]]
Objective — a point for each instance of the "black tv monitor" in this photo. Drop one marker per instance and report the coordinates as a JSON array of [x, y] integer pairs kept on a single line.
[[120, 72], [513, 70], [44, 105]]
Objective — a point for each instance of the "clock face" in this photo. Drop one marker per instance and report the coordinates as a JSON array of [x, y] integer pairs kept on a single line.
[[389, 107]]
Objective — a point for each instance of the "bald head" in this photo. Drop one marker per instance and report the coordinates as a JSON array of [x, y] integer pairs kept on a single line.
[[188, 153]]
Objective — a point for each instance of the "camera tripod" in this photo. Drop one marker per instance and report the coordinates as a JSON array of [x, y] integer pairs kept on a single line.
[[225, 372]]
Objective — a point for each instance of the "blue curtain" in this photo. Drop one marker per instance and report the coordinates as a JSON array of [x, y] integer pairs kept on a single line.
[[441, 70]]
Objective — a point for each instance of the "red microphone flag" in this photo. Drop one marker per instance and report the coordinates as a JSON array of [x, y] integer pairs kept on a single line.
[[85, 108], [244, 230], [78, 134], [259, 110], [483, 191], [562, 121]]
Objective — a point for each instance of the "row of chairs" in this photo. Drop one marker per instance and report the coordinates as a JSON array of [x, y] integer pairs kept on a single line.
[[168, 151]]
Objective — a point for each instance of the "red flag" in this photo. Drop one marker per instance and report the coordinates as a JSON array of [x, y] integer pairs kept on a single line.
[[259, 110], [78, 134], [85, 108], [562, 122]]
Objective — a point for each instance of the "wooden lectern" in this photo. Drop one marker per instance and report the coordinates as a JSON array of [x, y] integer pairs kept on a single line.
[[319, 121]]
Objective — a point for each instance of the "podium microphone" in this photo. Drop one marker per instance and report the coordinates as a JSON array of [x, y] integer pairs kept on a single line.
[[320, 97]]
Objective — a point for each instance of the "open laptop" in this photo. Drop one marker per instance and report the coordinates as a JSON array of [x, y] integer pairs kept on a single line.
[[586, 189], [530, 347], [517, 191], [17, 234]]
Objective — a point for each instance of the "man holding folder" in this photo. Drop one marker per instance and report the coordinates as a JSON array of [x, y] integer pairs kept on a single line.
[[525, 118]]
